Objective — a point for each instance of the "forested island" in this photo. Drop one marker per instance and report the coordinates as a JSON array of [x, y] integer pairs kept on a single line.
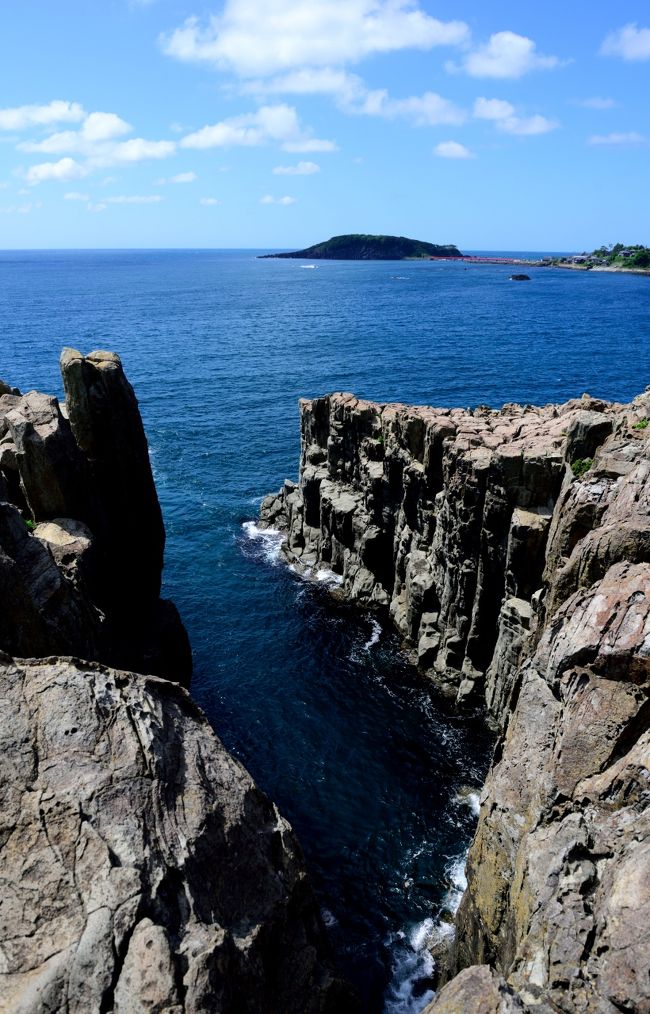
[[361, 247]]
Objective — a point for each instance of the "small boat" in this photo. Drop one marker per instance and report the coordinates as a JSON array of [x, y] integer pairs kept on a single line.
[[308, 267]]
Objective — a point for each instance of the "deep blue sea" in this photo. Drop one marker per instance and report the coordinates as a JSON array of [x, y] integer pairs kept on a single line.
[[372, 768]]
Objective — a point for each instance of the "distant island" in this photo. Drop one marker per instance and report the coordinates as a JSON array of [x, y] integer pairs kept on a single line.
[[615, 257], [360, 247]]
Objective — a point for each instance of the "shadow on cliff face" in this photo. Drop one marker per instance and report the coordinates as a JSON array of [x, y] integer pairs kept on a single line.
[[81, 531]]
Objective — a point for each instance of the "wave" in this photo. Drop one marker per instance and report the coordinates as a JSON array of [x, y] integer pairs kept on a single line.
[[374, 636], [412, 965], [267, 540], [471, 799], [326, 577]]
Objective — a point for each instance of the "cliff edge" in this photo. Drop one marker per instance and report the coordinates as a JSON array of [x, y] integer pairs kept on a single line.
[[81, 531], [141, 869], [511, 549]]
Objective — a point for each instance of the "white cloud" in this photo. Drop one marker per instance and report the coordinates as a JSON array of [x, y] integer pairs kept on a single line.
[[269, 199], [310, 145], [632, 137], [209, 202], [3, 185], [104, 127], [629, 42], [134, 199], [428, 110], [178, 178], [302, 169], [135, 150], [596, 103], [353, 96], [493, 109], [22, 117], [276, 123], [97, 207], [268, 123], [504, 55], [76, 196], [453, 149], [21, 209], [261, 37], [64, 169], [503, 114], [96, 141], [309, 81], [527, 126]]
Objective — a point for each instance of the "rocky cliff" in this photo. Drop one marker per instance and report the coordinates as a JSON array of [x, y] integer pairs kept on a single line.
[[512, 550], [81, 532], [141, 869]]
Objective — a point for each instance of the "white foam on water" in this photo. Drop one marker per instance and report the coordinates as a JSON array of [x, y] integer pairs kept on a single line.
[[308, 267], [411, 963], [456, 873], [269, 540], [471, 800], [374, 636], [412, 959], [328, 918], [328, 577]]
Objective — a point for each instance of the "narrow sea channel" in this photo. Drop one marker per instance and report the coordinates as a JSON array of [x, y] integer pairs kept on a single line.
[[373, 769]]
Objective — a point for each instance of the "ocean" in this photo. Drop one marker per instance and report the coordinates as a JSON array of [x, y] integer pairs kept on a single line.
[[378, 775]]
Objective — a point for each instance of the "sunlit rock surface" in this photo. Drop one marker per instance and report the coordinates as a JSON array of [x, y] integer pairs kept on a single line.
[[141, 869], [511, 549]]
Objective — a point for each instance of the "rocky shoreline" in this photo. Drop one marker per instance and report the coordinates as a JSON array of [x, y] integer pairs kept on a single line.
[[141, 867], [511, 549]]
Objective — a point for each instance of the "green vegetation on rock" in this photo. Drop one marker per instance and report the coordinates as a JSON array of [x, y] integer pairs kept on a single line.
[[581, 466], [360, 247]]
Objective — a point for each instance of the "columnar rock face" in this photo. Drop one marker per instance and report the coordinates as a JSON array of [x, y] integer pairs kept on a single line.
[[81, 532], [141, 869], [512, 551]]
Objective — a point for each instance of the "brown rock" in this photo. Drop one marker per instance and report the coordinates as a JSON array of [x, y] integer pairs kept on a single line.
[[142, 869]]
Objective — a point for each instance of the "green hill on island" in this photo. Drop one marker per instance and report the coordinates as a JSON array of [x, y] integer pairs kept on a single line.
[[359, 247]]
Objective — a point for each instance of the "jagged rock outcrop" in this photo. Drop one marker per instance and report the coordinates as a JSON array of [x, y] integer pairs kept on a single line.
[[81, 531], [517, 567], [440, 517], [141, 869]]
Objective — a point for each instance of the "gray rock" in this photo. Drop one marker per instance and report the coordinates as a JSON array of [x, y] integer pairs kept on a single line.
[[88, 581], [142, 869], [518, 581]]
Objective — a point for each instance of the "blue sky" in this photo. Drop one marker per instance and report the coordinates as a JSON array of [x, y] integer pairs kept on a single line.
[[278, 123]]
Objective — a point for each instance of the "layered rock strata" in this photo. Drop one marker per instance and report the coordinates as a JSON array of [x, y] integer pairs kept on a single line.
[[81, 531], [512, 551], [141, 869]]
